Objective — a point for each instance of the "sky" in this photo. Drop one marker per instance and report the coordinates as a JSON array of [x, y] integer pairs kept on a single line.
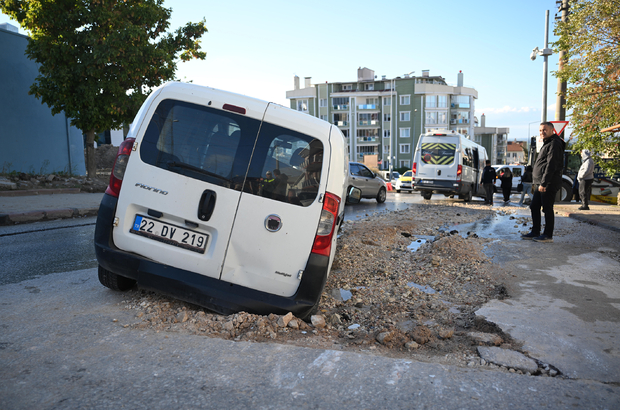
[[256, 48]]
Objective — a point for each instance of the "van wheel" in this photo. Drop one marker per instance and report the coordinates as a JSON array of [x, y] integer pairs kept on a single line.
[[114, 281], [427, 195], [398, 191], [381, 196], [566, 191], [466, 197]]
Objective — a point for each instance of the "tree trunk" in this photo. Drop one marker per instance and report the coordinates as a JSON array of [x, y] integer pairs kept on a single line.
[[91, 165]]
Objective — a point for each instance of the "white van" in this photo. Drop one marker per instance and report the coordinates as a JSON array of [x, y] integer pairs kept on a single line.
[[224, 201], [448, 163]]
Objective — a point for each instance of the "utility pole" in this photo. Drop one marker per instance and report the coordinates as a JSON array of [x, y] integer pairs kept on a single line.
[[560, 102]]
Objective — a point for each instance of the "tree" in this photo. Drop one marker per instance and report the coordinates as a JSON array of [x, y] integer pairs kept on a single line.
[[98, 60], [591, 39]]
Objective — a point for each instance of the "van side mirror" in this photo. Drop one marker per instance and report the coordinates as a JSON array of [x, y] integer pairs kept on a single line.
[[354, 195]]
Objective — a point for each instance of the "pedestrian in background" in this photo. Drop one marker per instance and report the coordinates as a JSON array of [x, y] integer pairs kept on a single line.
[[546, 181], [506, 178], [526, 180], [585, 177], [488, 182]]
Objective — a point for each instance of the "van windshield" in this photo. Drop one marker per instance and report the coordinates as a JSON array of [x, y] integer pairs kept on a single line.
[[438, 153]]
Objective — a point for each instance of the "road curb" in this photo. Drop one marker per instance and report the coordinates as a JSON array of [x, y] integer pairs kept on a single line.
[[581, 218], [50, 191], [46, 215]]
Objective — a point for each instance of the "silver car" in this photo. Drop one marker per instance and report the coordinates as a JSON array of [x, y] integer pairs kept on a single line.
[[371, 184]]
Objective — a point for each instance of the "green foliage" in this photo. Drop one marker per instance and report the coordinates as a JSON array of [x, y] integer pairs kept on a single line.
[[98, 60], [591, 40]]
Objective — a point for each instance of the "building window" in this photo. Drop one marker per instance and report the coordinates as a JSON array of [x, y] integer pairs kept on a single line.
[[340, 103], [404, 148], [442, 101], [324, 117], [405, 132], [442, 118], [404, 163], [386, 149], [347, 87], [302, 105], [368, 133], [405, 115], [387, 117], [459, 117], [372, 101], [345, 132], [405, 99], [459, 101], [431, 101], [387, 100], [323, 102], [369, 87], [341, 119], [431, 117], [368, 119], [387, 85], [386, 133]]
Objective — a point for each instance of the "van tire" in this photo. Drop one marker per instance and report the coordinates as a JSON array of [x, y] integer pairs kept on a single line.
[[566, 192], [381, 196], [114, 281], [427, 195], [466, 197]]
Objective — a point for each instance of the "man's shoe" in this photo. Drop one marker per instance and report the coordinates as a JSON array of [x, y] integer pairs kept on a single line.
[[530, 235], [543, 238], [584, 208]]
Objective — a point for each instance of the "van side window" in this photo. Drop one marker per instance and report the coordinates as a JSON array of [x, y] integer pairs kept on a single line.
[[286, 166], [199, 142]]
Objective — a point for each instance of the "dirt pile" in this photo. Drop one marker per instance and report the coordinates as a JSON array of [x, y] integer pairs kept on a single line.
[[381, 297]]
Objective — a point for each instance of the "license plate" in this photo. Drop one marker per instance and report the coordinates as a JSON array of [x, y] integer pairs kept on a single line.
[[169, 234], [426, 182]]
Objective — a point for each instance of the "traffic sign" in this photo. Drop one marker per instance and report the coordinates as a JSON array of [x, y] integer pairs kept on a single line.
[[559, 126]]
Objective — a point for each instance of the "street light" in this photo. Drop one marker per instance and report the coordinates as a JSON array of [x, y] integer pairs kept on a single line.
[[545, 52]]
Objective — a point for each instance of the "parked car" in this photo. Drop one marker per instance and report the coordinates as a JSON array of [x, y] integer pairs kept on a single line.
[[371, 184], [224, 201], [404, 182], [517, 173]]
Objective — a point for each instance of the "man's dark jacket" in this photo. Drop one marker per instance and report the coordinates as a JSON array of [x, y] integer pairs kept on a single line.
[[488, 175], [549, 164]]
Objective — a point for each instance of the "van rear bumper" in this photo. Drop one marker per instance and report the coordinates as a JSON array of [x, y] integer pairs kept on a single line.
[[439, 186], [216, 295]]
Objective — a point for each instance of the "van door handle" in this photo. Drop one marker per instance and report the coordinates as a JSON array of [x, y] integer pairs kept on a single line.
[[206, 205]]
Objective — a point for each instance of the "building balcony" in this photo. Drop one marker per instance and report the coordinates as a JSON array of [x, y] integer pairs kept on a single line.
[[368, 139], [367, 107], [341, 123], [461, 106], [342, 107], [459, 121], [368, 123]]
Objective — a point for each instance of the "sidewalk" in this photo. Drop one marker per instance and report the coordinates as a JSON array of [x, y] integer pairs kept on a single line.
[[48, 204], [26, 206]]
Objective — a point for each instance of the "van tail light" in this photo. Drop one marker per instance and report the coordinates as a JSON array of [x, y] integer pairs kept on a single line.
[[414, 169], [459, 173], [120, 164], [327, 225]]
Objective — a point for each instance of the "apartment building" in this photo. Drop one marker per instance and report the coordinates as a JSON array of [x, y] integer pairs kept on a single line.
[[382, 119], [493, 139]]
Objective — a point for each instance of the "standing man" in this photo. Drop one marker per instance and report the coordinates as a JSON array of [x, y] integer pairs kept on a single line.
[[547, 180], [585, 178], [488, 181]]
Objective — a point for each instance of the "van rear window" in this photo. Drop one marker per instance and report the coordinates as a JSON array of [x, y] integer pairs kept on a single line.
[[437, 153], [217, 146]]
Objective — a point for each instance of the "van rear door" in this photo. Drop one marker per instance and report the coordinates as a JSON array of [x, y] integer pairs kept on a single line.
[[277, 221], [182, 186], [438, 158]]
